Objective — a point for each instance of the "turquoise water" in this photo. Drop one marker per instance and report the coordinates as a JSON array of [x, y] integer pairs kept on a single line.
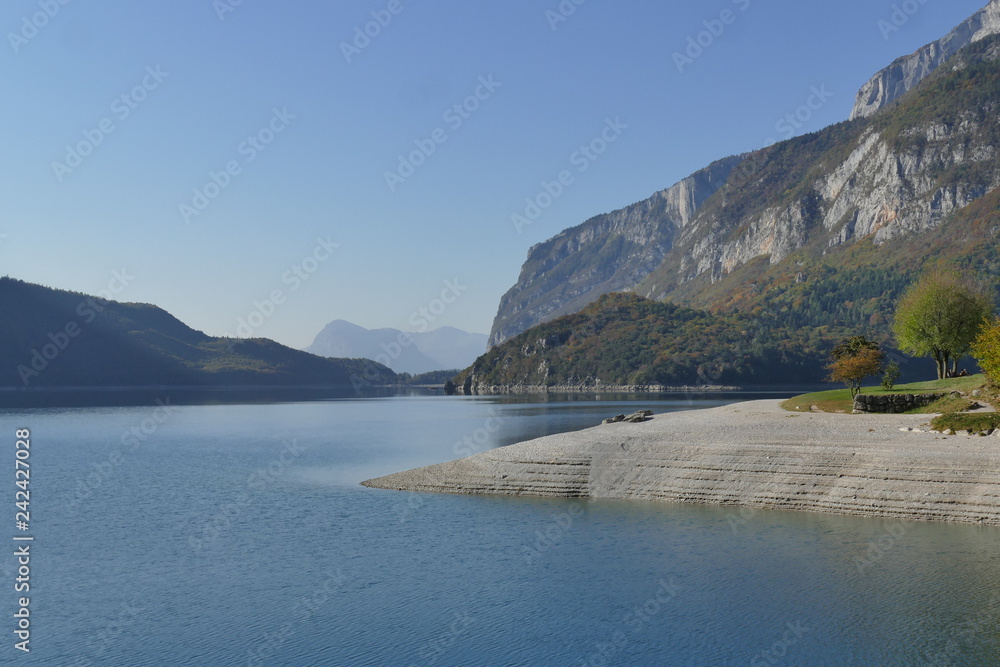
[[238, 535]]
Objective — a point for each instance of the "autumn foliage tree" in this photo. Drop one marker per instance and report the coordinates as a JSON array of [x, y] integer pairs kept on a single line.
[[987, 351], [855, 359]]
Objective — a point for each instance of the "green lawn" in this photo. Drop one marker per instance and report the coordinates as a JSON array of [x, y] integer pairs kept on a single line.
[[839, 400]]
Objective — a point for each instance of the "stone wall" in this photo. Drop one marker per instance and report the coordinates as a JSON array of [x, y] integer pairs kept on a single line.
[[893, 403]]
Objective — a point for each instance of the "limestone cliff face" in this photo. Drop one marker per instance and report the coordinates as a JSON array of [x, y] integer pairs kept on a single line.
[[609, 253], [878, 178], [878, 192], [906, 72]]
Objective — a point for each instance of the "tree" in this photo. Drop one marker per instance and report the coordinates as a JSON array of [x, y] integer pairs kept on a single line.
[[852, 346], [987, 351], [854, 359], [890, 376], [940, 317]]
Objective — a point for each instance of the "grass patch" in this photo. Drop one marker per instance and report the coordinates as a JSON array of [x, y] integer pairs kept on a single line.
[[974, 423], [839, 400], [944, 405]]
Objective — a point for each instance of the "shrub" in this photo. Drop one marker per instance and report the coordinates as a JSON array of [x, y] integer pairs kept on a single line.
[[976, 423], [987, 352], [890, 376]]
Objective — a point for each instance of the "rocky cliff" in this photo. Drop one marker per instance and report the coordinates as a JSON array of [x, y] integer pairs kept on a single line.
[[608, 253], [906, 72], [867, 195]]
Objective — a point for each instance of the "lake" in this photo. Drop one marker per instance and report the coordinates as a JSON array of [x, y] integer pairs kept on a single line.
[[238, 535]]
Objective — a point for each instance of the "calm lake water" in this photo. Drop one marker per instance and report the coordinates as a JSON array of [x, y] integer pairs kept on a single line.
[[238, 535]]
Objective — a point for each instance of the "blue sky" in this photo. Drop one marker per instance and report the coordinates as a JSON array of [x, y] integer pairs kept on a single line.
[[232, 157]]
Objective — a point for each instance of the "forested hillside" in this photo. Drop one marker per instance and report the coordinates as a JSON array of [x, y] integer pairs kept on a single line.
[[627, 340], [55, 338]]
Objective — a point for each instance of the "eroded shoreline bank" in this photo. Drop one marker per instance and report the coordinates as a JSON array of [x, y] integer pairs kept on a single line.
[[751, 454]]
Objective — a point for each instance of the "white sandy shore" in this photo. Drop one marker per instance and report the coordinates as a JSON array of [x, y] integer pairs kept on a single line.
[[750, 454]]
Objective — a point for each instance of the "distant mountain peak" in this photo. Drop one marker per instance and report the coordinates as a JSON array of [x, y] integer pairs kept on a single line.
[[446, 348], [905, 73], [58, 338]]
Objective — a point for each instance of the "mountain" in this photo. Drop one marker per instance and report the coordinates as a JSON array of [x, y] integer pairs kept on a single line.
[[446, 348], [624, 341], [906, 72], [608, 253], [55, 338], [825, 229]]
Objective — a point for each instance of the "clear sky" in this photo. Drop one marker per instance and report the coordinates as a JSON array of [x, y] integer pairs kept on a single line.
[[116, 113]]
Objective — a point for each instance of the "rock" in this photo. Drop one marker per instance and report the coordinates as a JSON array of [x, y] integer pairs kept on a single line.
[[892, 403], [905, 73], [950, 431], [640, 416], [976, 393], [870, 188], [634, 418]]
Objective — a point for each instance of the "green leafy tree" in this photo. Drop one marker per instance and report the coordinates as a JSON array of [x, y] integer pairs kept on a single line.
[[987, 351], [940, 317], [854, 359], [890, 376]]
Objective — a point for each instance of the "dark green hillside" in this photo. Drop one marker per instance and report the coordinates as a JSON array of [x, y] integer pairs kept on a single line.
[[55, 338], [624, 339]]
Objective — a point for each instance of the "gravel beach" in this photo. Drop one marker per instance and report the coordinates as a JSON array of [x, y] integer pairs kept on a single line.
[[748, 454]]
